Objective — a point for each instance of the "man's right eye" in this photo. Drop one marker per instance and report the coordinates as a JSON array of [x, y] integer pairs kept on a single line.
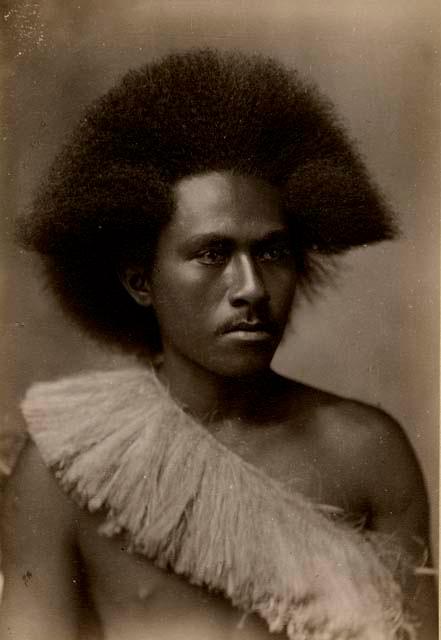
[[211, 257]]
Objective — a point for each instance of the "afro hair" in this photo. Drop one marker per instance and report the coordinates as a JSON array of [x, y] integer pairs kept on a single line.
[[109, 191]]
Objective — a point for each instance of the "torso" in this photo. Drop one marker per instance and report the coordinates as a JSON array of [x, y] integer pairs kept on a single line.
[[135, 600]]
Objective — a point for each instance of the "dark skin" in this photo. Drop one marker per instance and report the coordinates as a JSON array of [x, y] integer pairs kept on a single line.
[[222, 288]]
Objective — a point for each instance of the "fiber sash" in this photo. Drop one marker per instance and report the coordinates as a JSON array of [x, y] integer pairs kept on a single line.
[[117, 441]]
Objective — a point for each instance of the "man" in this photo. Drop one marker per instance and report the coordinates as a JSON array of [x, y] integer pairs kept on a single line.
[[200, 495]]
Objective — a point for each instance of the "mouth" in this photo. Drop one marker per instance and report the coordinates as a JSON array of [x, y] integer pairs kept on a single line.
[[250, 331]]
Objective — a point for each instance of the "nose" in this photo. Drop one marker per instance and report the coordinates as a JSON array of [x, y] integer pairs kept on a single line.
[[247, 286]]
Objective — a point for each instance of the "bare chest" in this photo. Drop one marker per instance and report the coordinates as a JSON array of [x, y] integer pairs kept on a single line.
[[134, 599], [128, 591]]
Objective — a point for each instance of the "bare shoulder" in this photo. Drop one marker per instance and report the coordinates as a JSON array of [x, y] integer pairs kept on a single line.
[[365, 428], [371, 452], [373, 442]]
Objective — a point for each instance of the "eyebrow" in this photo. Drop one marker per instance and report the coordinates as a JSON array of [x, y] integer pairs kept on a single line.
[[278, 235], [215, 238]]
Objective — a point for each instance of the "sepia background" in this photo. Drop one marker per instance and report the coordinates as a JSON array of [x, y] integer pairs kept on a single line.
[[375, 335]]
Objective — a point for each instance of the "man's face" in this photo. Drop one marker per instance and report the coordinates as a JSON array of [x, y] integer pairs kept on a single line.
[[224, 275]]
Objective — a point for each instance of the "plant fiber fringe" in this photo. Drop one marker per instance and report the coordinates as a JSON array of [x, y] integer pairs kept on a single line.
[[118, 442]]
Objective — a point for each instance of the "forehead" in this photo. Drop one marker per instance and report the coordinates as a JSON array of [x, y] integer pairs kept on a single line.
[[226, 203]]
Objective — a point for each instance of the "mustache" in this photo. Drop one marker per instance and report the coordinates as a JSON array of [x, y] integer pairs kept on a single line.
[[246, 324]]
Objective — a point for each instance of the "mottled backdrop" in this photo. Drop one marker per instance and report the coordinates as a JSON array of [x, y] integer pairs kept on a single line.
[[375, 336]]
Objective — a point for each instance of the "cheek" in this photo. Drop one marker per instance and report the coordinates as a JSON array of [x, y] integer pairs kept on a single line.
[[184, 291], [282, 288]]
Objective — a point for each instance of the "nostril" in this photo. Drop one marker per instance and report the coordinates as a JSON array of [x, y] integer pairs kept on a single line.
[[248, 295]]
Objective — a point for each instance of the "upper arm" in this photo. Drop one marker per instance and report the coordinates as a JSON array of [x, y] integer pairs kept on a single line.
[[40, 598], [399, 507], [396, 489]]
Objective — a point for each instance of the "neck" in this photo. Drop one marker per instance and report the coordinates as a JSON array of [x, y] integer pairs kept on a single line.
[[213, 398]]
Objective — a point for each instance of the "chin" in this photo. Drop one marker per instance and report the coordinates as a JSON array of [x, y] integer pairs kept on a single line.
[[241, 365]]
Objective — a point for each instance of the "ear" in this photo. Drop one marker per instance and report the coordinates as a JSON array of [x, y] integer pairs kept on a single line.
[[136, 283]]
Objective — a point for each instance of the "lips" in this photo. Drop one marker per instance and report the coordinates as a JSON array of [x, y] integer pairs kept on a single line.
[[254, 329]]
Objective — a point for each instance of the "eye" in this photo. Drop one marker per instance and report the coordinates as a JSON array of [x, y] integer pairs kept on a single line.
[[212, 257], [276, 253]]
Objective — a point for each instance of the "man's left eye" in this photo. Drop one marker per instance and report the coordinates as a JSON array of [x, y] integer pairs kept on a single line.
[[275, 254]]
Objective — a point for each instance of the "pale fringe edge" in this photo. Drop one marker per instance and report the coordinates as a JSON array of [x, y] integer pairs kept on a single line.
[[118, 442]]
